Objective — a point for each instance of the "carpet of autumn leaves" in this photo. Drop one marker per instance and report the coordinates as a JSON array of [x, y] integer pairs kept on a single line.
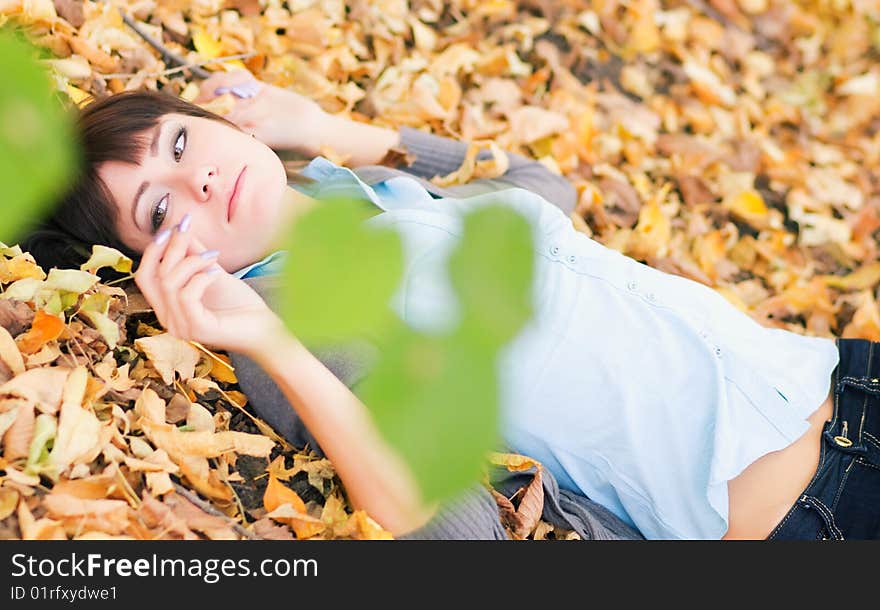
[[733, 142]]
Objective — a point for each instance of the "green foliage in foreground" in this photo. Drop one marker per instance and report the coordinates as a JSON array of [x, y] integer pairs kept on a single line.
[[434, 397], [37, 148]]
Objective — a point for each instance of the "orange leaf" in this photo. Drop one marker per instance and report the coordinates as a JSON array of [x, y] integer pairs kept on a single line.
[[45, 328], [277, 493], [221, 372]]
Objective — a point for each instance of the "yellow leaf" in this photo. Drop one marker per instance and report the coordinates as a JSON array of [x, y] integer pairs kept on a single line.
[[652, 233], [864, 277], [104, 256], [70, 280], [749, 206], [222, 371], [20, 267], [366, 528], [513, 461], [207, 46], [78, 96]]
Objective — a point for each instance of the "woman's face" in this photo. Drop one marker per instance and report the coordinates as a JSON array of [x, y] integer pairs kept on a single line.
[[191, 166]]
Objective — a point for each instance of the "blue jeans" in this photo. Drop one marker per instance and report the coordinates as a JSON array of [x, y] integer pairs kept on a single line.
[[842, 500]]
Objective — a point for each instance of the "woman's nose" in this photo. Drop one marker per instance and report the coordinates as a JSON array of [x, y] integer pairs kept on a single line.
[[206, 183]]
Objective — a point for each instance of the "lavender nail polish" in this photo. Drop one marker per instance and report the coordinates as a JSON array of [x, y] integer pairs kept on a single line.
[[184, 223], [162, 236], [209, 253]]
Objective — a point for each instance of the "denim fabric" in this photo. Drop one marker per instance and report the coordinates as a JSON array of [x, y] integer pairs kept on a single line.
[[843, 499]]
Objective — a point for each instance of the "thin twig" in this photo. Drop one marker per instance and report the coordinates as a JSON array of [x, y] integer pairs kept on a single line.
[[205, 506], [216, 60], [170, 58]]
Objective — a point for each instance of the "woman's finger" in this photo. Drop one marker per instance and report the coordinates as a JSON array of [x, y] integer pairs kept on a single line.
[[186, 268], [178, 244], [190, 296], [146, 276]]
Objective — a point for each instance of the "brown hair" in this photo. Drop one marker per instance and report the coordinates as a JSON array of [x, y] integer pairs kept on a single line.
[[112, 128]]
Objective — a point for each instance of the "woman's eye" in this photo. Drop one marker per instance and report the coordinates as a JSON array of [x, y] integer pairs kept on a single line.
[[181, 137], [159, 211]]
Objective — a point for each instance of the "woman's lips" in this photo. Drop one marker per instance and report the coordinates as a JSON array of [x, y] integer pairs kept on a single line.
[[236, 190]]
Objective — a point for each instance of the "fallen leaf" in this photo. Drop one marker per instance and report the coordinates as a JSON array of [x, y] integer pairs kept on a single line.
[[168, 354], [45, 327]]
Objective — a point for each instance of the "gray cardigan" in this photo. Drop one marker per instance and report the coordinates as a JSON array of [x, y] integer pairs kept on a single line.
[[473, 514]]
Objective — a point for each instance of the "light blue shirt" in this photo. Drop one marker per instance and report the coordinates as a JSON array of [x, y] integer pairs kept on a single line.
[[643, 390]]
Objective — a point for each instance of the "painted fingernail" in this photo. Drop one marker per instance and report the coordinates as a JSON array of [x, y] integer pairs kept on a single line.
[[213, 270], [221, 90], [162, 236], [184, 223], [209, 253], [248, 89]]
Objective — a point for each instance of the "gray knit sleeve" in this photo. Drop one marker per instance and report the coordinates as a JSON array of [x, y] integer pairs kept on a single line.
[[437, 155]]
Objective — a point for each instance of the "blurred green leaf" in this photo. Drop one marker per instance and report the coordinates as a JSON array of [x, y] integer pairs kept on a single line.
[[435, 400], [37, 150], [339, 275], [492, 271]]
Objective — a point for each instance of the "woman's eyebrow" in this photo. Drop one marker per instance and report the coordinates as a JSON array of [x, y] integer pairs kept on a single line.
[[154, 150]]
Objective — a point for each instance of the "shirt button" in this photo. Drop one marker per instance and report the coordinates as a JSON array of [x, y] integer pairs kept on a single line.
[[631, 285], [718, 351], [651, 296], [554, 250], [572, 258]]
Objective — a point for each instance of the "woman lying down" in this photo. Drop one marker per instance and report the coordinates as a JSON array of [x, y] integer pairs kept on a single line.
[[646, 395]]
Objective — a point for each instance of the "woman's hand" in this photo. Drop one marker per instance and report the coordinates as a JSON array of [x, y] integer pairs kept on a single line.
[[196, 300], [281, 118]]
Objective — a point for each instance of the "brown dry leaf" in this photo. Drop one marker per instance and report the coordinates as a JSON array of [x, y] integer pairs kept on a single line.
[[42, 387], [214, 527], [168, 354], [528, 513], [109, 516], [203, 478], [9, 352], [205, 443], [8, 502], [304, 525], [361, 527], [38, 529], [17, 440], [150, 407], [161, 518], [267, 530], [530, 123], [80, 435]]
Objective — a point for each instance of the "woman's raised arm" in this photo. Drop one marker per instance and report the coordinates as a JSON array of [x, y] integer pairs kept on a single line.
[[285, 120]]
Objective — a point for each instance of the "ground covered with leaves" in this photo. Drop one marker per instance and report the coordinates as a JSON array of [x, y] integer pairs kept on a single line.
[[733, 142]]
